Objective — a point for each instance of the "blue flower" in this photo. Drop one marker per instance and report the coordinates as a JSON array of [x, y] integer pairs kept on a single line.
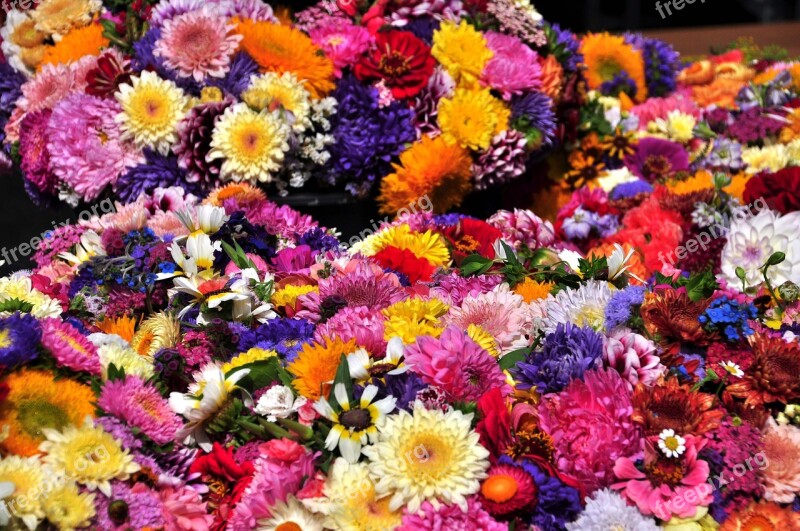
[[19, 340], [620, 307], [285, 336], [730, 318]]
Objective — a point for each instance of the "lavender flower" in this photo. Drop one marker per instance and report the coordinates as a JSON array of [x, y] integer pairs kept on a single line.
[[621, 306], [533, 115]]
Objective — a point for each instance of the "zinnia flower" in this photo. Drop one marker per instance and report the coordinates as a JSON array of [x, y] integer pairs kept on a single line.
[[401, 60], [427, 455], [472, 117], [140, 406], [656, 158]]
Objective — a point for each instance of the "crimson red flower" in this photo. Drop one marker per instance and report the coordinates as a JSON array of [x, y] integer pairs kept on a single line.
[[401, 60], [471, 236], [495, 424], [405, 262], [229, 477], [781, 190], [111, 71]]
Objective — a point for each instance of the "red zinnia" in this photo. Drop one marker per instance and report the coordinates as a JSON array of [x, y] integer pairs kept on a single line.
[[399, 59], [471, 236]]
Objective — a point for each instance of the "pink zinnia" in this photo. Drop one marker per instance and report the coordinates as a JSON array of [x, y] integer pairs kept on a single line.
[[782, 452], [85, 148], [634, 357], [523, 227], [359, 323], [184, 510], [652, 495], [69, 347], [513, 69], [452, 518], [342, 41], [597, 408], [197, 44], [141, 406], [456, 364]]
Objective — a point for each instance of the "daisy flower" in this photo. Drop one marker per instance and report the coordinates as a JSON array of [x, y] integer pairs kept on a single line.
[[197, 44], [427, 455], [354, 425], [290, 514], [732, 368], [671, 444], [251, 144], [151, 110]]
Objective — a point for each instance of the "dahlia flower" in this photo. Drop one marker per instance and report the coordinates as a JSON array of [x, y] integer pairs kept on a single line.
[[586, 411], [605, 510], [523, 227], [634, 357], [141, 406], [513, 68], [504, 160]]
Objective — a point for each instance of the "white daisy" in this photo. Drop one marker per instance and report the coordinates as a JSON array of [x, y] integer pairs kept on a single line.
[[671, 444], [732, 368]]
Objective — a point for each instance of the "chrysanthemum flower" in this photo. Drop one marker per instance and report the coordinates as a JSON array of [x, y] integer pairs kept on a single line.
[[315, 366], [69, 347], [360, 323], [36, 402], [115, 350], [771, 376], [414, 317], [197, 44], [278, 48], [582, 306], [19, 287], [609, 56], [251, 144], [462, 50], [151, 110], [140, 406], [608, 510], [283, 93], [28, 476], [471, 118], [354, 502], [430, 167], [68, 508], [77, 43], [427, 456], [514, 67]]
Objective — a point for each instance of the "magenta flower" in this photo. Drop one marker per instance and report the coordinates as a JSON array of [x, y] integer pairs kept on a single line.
[[141, 406], [656, 158], [634, 357], [513, 69]]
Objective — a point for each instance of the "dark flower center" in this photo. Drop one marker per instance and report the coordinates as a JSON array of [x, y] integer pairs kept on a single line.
[[358, 419], [657, 165], [394, 64]]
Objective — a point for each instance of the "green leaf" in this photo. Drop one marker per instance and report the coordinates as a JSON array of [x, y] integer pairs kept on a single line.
[[511, 256], [475, 264], [343, 377], [15, 305], [510, 360], [262, 374]]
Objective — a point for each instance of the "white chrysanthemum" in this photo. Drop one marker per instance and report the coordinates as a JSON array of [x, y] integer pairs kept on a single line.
[[290, 515], [112, 349], [751, 241], [251, 144], [585, 306], [282, 93], [151, 110], [27, 476], [606, 510], [18, 286], [430, 455]]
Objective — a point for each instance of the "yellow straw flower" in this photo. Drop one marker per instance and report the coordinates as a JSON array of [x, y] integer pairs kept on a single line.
[[462, 50], [411, 318], [472, 117]]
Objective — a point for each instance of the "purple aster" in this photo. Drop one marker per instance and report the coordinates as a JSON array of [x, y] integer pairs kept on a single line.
[[319, 240], [285, 336], [620, 308], [533, 115], [404, 387], [238, 77], [19, 340], [656, 158], [752, 125], [157, 172], [134, 507], [10, 83], [621, 82], [566, 354], [367, 136], [423, 28], [661, 64], [726, 154], [565, 46], [631, 189], [145, 59]]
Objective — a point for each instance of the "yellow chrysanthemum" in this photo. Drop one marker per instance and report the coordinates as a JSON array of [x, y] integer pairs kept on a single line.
[[89, 455], [430, 167], [354, 503], [59, 16], [119, 353], [244, 193], [67, 508], [20, 288], [472, 117], [702, 180], [280, 92], [28, 477], [315, 366], [484, 339], [768, 158], [428, 455], [288, 295], [462, 50], [76, 44], [37, 402], [151, 110], [251, 144], [606, 56], [530, 290], [279, 48], [414, 317], [428, 245], [680, 126], [245, 358], [156, 332]]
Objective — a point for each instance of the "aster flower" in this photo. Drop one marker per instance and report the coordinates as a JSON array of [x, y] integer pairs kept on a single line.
[[623, 306], [69, 347], [584, 306], [566, 354], [606, 509], [513, 68], [284, 93], [19, 337], [440, 441], [157, 171], [197, 44], [430, 518], [341, 40], [241, 70], [25, 475], [291, 513], [350, 491], [35, 158], [67, 508], [656, 158], [141, 406], [534, 115], [426, 103], [661, 64]]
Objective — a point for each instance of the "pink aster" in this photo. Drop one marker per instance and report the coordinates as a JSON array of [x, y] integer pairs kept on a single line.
[[183, 509], [85, 147], [51, 84], [163, 223], [456, 364], [197, 44], [644, 485], [69, 347], [342, 41], [452, 518], [634, 357], [523, 227], [500, 312], [33, 141], [362, 283], [782, 451], [359, 323], [597, 408], [513, 69], [281, 220], [141, 406], [452, 288], [654, 108]]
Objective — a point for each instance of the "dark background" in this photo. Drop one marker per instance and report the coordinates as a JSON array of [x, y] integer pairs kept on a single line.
[[20, 220]]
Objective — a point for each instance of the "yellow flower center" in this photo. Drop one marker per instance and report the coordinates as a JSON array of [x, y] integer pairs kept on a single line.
[[426, 457], [5, 341], [671, 443]]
